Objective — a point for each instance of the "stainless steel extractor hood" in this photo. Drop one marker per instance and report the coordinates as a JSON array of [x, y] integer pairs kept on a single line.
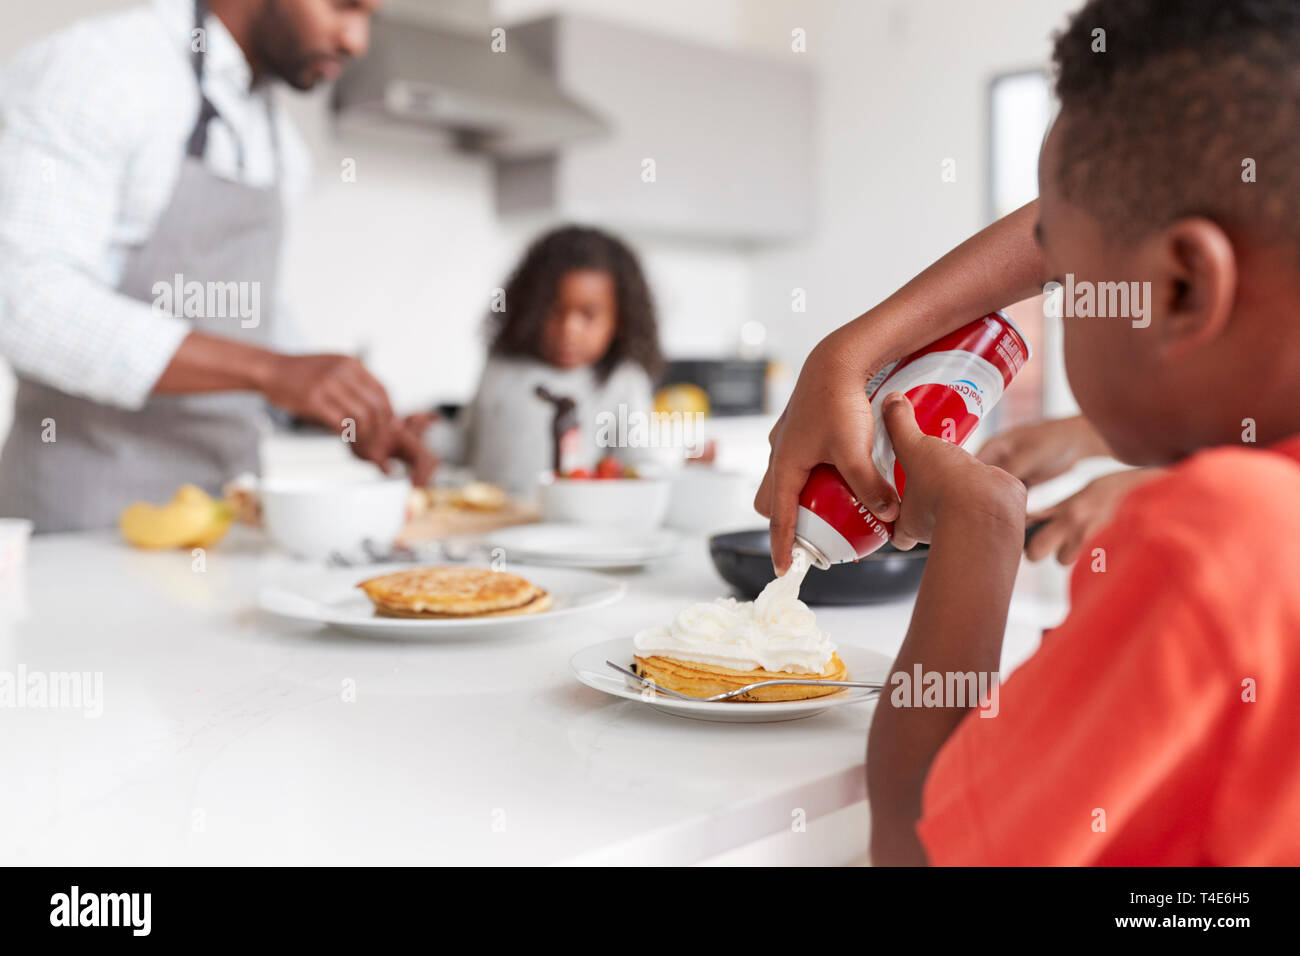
[[449, 79]]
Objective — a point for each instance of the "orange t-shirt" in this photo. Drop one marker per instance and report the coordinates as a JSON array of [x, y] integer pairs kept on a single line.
[[1131, 736]]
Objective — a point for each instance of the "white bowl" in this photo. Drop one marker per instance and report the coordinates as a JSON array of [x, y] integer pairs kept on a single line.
[[14, 533], [632, 503], [314, 517], [706, 500]]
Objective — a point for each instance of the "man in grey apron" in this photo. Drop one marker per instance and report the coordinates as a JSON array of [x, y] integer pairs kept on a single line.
[[213, 230]]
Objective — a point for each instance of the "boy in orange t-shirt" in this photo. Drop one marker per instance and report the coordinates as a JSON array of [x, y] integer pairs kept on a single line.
[[1159, 723]]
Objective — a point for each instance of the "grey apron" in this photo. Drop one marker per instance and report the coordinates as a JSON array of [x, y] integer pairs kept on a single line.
[[213, 231]]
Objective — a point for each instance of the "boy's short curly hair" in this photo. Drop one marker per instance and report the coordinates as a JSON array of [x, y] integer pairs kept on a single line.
[[531, 290], [1186, 98]]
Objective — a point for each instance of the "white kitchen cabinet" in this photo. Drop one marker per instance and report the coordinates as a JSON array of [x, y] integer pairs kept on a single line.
[[730, 136]]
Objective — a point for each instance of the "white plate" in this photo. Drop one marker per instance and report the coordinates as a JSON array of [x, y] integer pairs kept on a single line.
[[591, 564], [575, 545], [331, 597], [590, 668]]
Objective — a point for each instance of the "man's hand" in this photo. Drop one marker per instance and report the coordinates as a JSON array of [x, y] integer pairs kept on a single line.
[[1070, 523], [332, 389], [417, 423], [827, 420], [941, 475], [398, 441], [1041, 451], [328, 389]]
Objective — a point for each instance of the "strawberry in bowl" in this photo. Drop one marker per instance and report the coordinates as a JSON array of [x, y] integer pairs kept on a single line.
[[611, 495]]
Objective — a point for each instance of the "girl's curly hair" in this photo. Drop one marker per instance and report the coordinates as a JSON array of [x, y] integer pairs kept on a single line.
[[531, 289]]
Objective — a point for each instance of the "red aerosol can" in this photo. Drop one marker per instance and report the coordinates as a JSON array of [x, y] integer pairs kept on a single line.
[[952, 383]]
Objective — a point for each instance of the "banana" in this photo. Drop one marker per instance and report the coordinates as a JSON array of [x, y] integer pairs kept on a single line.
[[219, 523], [193, 518]]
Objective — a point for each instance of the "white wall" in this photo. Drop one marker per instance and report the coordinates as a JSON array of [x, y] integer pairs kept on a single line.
[[402, 262], [902, 87]]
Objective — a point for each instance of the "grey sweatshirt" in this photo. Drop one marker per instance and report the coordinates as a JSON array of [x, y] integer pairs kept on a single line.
[[505, 432]]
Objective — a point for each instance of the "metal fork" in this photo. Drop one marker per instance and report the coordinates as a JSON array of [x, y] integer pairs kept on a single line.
[[646, 682]]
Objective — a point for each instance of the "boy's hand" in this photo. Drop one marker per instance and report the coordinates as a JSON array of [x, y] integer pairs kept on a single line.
[[942, 475], [828, 420], [975, 514], [1069, 523], [1041, 451]]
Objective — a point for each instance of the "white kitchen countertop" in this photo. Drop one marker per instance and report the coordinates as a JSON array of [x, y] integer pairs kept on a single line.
[[225, 737]]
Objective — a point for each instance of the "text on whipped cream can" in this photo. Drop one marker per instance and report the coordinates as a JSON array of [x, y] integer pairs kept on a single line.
[[952, 383]]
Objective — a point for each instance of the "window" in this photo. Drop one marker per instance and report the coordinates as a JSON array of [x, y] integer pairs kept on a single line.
[[1019, 113]]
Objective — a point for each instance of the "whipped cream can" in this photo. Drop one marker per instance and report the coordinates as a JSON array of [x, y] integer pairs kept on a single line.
[[952, 383]]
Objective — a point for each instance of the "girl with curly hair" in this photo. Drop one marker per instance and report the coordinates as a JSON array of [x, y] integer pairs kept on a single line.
[[578, 320]]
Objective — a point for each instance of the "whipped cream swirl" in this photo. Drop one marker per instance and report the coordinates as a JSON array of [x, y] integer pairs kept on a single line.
[[776, 631]]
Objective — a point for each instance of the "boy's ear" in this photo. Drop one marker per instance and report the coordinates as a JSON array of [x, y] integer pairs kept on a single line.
[[1197, 269]]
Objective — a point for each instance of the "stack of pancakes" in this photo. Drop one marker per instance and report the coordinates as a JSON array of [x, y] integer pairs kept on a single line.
[[454, 592], [706, 680]]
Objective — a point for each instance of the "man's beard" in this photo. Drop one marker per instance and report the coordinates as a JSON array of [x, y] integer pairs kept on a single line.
[[303, 73], [279, 53]]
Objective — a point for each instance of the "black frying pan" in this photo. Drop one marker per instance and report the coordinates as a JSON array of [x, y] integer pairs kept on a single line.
[[744, 559], [1032, 529]]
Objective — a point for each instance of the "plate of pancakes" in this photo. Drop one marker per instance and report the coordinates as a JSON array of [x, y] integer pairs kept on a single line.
[[851, 663], [443, 601]]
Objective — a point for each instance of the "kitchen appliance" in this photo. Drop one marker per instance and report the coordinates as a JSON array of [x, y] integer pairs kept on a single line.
[[425, 72], [734, 386]]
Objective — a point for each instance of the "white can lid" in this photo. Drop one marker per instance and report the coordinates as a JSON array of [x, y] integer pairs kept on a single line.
[[1029, 348]]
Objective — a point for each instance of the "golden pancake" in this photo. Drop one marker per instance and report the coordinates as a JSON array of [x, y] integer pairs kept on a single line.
[[481, 496], [454, 592], [538, 604], [706, 680]]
